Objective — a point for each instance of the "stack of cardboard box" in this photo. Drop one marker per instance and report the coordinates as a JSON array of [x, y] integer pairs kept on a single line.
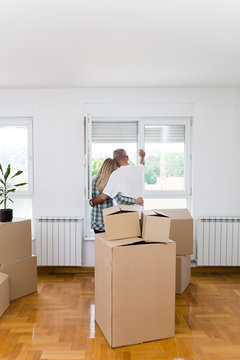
[[134, 279], [18, 268]]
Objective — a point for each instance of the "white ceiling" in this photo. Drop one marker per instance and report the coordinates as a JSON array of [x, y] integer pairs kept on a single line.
[[119, 43]]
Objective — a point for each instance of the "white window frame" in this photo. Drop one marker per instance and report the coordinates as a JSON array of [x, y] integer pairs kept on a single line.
[[186, 193], [23, 121], [137, 112], [142, 121]]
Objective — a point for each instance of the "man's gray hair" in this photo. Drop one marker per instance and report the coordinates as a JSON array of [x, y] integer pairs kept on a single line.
[[119, 154]]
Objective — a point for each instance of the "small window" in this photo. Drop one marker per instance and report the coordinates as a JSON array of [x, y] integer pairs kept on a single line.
[[16, 150]]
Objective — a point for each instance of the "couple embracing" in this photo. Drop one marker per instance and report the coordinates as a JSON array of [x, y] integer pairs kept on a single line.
[[117, 180]]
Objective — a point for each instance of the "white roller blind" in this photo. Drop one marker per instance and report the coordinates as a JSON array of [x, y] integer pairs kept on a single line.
[[164, 134], [114, 132]]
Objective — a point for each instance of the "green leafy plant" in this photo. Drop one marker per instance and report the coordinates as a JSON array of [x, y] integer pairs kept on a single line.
[[6, 186]]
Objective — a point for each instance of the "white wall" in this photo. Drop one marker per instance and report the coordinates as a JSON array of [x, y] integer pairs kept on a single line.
[[59, 145]]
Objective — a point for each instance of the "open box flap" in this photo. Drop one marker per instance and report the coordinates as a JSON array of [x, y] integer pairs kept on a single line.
[[176, 213], [111, 210], [118, 208], [116, 243], [160, 213], [127, 208]]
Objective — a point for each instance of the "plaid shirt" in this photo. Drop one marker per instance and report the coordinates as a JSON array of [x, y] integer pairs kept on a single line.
[[97, 221]]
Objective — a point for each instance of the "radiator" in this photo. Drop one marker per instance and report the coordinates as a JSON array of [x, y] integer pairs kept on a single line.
[[218, 241], [59, 241]]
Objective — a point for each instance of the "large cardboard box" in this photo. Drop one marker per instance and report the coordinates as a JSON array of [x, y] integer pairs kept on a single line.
[[134, 290], [181, 230], [155, 226], [4, 293], [22, 276], [121, 222], [15, 240], [183, 273]]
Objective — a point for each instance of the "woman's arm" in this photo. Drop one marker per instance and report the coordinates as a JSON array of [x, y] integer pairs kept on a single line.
[[121, 199], [96, 197], [99, 199]]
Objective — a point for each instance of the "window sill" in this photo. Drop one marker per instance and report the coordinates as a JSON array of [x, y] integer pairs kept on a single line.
[[89, 237]]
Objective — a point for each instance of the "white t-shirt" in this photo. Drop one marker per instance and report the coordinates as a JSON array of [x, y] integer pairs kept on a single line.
[[128, 180]]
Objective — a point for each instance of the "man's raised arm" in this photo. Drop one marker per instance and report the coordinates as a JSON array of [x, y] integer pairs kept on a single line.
[[142, 156]]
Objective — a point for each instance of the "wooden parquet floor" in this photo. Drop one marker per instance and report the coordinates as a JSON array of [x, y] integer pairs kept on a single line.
[[58, 323]]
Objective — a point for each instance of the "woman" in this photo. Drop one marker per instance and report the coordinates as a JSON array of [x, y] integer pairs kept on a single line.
[[98, 184]]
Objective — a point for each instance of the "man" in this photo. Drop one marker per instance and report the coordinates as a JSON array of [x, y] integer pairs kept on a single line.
[[127, 180]]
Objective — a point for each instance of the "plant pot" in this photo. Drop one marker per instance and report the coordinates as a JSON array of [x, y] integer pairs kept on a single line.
[[6, 215]]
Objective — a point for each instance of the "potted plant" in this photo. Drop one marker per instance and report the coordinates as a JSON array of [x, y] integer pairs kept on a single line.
[[6, 188]]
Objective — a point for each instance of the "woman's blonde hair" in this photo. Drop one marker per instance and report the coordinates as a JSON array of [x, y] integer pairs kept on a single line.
[[108, 166]]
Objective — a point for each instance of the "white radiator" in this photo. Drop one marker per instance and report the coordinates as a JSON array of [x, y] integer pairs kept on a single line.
[[218, 241], [59, 241]]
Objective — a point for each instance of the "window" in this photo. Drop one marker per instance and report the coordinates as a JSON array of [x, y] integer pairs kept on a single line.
[[164, 167], [16, 149], [167, 163], [166, 142]]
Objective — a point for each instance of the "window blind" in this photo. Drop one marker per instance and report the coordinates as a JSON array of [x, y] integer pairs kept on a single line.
[[164, 134], [114, 132]]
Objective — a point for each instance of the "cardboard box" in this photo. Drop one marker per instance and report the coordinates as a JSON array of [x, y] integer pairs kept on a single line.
[[183, 273], [121, 222], [22, 276], [155, 226], [181, 230], [134, 290], [15, 240], [4, 293]]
